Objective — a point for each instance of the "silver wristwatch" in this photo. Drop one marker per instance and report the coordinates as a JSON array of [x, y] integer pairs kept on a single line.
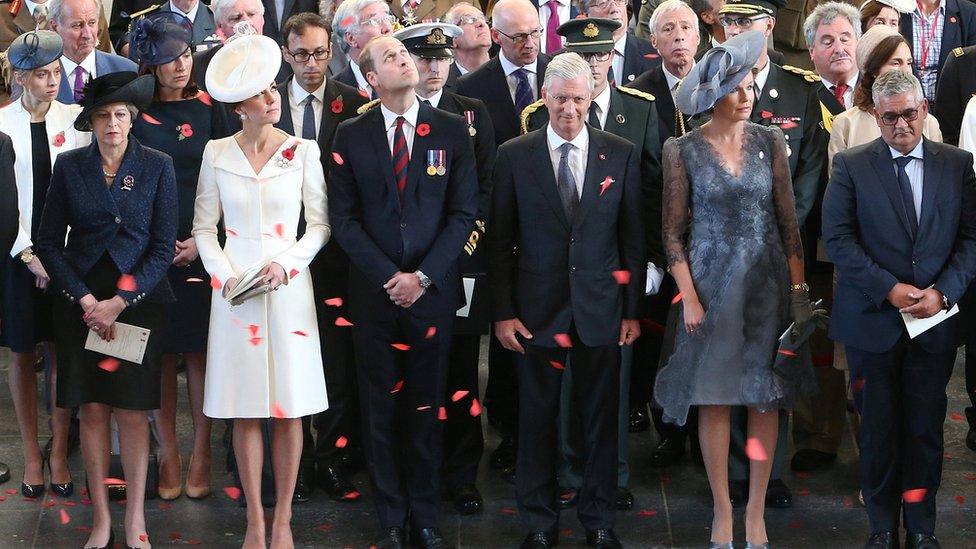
[[424, 279]]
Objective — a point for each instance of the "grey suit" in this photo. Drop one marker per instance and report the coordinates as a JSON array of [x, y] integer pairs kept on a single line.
[[105, 63]]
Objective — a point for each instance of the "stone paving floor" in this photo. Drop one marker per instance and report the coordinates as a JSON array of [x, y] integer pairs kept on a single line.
[[672, 508]]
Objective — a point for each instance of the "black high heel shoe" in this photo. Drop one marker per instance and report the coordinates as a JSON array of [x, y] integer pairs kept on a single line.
[[64, 489], [34, 491], [109, 545]]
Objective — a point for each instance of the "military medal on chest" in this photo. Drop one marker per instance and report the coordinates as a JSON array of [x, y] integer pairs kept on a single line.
[[469, 118], [436, 162]]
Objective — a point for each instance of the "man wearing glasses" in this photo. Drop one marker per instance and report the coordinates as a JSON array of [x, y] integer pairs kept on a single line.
[[355, 23], [632, 56], [629, 114], [311, 108], [898, 225], [785, 98], [471, 47]]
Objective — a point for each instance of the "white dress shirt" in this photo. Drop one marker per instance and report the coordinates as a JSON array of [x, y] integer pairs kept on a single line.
[[916, 175], [461, 68], [296, 105], [191, 15], [31, 6], [87, 64], [602, 103], [435, 99], [619, 47], [360, 78], [562, 12], [510, 67], [672, 80], [760, 80], [577, 154], [848, 93], [409, 124]]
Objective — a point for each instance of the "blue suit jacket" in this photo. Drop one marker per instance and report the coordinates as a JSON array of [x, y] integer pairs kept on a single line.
[[105, 63], [136, 227], [868, 239], [426, 232]]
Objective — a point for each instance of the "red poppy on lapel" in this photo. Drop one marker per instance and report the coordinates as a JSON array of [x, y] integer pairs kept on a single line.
[[185, 130], [606, 184], [766, 114], [337, 105], [204, 98], [423, 129], [58, 139], [289, 153], [150, 119]]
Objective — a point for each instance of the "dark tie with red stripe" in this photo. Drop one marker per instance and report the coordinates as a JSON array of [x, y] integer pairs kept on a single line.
[[401, 158]]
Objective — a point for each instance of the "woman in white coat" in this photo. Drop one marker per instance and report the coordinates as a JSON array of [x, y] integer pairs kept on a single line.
[[263, 358], [40, 128]]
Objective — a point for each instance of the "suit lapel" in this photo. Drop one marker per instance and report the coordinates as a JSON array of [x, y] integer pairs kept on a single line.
[[593, 177], [129, 169], [285, 123], [951, 33], [330, 120], [95, 182], [541, 165], [931, 180], [616, 117], [884, 167], [286, 11], [421, 144], [377, 135]]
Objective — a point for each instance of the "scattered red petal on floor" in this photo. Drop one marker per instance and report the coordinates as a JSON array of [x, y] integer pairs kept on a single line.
[[300, 333], [164, 506], [622, 277], [795, 524], [423, 407], [351, 496], [848, 502], [109, 364], [233, 492], [677, 298], [111, 481], [341, 321], [644, 513], [174, 536], [563, 340], [431, 332], [341, 442], [3, 498], [193, 541], [442, 413], [960, 500], [665, 479], [277, 411], [508, 511], [566, 532], [324, 527], [557, 365], [86, 501], [333, 302], [803, 492], [970, 476], [801, 474], [65, 517], [475, 409], [11, 491], [30, 499], [397, 387], [857, 384], [947, 456], [458, 395], [400, 346], [755, 450], [49, 503], [85, 529], [786, 352], [127, 283], [956, 416], [914, 495]]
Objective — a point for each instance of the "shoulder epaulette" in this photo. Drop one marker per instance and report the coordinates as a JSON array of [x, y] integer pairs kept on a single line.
[[635, 93], [139, 14], [809, 76], [527, 111], [367, 106], [958, 52]]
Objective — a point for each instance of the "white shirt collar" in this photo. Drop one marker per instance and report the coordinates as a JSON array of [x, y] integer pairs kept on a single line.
[[620, 46], [714, 41], [603, 101], [30, 6], [581, 140], [918, 13], [672, 79], [461, 68], [88, 63], [191, 15], [360, 77], [298, 93], [389, 117], [435, 99], [916, 152], [851, 82], [762, 76], [510, 67]]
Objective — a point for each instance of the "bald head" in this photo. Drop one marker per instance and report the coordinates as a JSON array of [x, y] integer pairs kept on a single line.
[[507, 13], [516, 30]]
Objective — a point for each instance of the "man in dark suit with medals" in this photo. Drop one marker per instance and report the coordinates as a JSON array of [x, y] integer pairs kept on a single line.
[[403, 198], [312, 106], [431, 45], [566, 267], [629, 114]]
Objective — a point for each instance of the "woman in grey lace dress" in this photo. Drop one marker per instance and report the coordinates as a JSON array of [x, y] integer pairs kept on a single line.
[[733, 247]]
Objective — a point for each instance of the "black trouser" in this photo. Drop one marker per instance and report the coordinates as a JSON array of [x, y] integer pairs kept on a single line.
[[903, 406], [463, 439], [501, 394], [402, 435], [596, 387]]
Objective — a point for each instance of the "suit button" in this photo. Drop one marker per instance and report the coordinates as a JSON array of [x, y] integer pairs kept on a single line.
[[118, 220], [573, 269], [572, 241], [914, 262], [403, 225]]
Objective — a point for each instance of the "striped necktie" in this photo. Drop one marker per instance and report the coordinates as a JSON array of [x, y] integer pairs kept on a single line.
[[401, 157]]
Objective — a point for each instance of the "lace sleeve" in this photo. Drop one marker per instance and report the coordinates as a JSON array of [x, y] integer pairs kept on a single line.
[[783, 201], [676, 204]]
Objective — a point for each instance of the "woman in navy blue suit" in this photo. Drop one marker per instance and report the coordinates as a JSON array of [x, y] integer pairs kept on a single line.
[[119, 198]]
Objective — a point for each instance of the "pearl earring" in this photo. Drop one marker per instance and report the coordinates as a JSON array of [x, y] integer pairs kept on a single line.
[[243, 116]]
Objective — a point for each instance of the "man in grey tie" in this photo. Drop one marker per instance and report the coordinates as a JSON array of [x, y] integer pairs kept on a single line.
[[898, 225], [567, 199]]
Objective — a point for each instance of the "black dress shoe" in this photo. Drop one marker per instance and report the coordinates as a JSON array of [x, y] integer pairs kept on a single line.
[[971, 434], [921, 541], [429, 538], [568, 498], [808, 460], [503, 457], [4, 472], [32, 490], [778, 495], [467, 499], [884, 540], [335, 483], [639, 420], [603, 539], [392, 540], [738, 492], [668, 451], [540, 540], [625, 499], [303, 485]]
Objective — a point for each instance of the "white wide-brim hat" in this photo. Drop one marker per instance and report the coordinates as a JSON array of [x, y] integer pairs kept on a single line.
[[901, 6], [243, 68]]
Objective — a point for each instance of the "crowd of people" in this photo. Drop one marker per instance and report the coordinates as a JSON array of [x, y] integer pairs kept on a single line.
[[319, 211]]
